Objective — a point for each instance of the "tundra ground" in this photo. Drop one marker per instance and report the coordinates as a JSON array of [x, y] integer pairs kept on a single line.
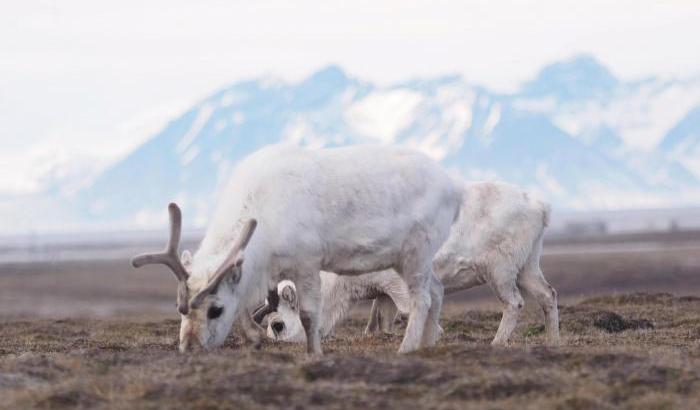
[[99, 334], [635, 351]]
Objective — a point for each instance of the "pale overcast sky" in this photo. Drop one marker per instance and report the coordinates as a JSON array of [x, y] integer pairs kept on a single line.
[[90, 79]]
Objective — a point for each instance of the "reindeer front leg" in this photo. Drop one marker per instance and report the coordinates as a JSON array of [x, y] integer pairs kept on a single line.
[[309, 307]]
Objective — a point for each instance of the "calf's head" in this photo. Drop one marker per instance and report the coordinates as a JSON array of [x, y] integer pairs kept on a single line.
[[285, 324], [207, 301]]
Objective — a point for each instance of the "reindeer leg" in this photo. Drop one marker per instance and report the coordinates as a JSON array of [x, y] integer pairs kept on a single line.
[[309, 292], [373, 324]]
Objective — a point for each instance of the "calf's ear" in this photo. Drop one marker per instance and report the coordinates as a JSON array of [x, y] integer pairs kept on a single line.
[[289, 295]]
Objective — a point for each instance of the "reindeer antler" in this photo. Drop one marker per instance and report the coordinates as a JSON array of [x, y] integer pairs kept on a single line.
[[170, 258], [232, 261]]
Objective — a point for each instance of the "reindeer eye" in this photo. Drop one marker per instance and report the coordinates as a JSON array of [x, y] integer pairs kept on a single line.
[[214, 312]]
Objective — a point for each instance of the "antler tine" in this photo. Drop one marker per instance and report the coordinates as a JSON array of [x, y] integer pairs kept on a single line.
[[170, 258], [175, 229], [231, 261]]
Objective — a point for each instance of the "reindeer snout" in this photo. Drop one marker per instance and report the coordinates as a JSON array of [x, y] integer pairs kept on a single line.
[[189, 342], [188, 338]]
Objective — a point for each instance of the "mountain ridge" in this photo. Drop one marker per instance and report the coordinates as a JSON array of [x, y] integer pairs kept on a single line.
[[575, 135]]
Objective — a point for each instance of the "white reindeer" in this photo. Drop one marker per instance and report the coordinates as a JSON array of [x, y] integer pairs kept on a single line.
[[496, 240], [291, 212]]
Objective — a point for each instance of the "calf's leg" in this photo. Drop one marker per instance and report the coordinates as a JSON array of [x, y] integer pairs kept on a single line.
[[382, 315], [506, 289], [535, 285]]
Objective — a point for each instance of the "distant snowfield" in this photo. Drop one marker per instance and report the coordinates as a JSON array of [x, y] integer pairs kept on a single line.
[[575, 135]]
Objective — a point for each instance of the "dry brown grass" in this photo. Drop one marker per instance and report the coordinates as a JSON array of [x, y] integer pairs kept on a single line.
[[133, 363]]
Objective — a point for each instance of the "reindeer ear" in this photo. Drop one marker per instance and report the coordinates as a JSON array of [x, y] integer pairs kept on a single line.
[[235, 276], [236, 271], [186, 258]]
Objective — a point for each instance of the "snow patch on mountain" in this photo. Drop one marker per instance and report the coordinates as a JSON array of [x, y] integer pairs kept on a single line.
[[200, 120], [383, 114], [682, 143]]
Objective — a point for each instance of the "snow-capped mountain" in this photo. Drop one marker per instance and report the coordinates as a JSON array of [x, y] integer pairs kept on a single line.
[[575, 135]]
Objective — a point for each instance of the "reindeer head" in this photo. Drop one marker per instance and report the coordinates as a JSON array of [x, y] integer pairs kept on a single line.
[[285, 324], [207, 302]]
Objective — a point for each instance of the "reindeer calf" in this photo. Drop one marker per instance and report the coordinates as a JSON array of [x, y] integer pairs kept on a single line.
[[497, 239]]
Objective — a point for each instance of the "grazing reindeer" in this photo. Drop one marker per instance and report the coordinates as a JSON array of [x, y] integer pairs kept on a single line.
[[496, 240], [291, 212]]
